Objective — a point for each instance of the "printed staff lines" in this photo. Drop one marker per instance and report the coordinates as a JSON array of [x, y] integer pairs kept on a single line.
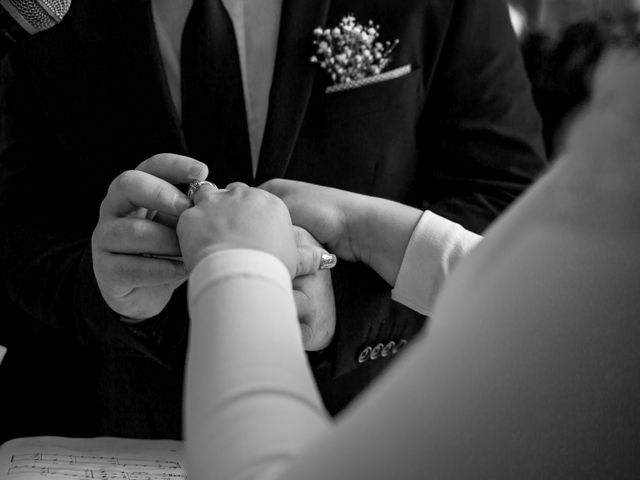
[[89, 467]]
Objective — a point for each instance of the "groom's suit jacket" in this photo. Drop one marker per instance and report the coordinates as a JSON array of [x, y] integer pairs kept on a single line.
[[88, 100]]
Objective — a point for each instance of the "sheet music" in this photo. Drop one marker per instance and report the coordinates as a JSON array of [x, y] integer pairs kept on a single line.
[[60, 458]]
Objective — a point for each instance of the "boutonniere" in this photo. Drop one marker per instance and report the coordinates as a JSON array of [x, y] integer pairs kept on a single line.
[[351, 52]]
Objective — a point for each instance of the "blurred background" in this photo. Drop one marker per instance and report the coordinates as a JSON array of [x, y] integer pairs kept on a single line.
[[562, 40]]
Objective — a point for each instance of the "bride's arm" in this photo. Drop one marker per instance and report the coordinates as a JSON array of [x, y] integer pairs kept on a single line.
[[247, 374]]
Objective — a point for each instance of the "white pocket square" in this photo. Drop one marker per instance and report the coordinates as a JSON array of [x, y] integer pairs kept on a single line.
[[382, 77]]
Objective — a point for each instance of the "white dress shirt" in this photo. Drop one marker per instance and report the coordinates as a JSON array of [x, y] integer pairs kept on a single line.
[[256, 24]]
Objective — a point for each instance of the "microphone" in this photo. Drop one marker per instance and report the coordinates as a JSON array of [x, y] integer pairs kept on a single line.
[[21, 18]]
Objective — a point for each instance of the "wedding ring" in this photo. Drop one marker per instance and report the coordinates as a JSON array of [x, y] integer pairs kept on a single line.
[[195, 186], [327, 261]]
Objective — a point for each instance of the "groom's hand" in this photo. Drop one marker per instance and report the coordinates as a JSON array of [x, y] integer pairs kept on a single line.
[[133, 284], [313, 294]]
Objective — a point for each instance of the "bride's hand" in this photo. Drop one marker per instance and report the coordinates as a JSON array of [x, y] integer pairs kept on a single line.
[[333, 217], [236, 217], [355, 227]]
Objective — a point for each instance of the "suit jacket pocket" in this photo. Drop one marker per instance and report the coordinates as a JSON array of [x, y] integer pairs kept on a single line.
[[382, 77], [373, 97]]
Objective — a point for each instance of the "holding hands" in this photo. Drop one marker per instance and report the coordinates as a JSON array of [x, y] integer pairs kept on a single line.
[[144, 215], [355, 227], [236, 217], [243, 217]]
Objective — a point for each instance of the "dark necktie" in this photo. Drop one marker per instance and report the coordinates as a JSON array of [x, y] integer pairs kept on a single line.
[[213, 111]]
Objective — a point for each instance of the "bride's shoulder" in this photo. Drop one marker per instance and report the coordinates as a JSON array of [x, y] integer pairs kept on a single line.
[[604, 140], [616, 84]]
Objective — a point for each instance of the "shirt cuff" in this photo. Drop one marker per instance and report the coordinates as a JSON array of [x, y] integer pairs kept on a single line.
[[435, 247], [233, 263]]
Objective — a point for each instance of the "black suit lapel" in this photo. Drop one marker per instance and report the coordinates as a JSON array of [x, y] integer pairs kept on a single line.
[[292, 83], [141, 78]]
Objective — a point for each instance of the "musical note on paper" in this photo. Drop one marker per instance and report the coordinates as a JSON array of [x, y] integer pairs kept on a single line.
[[94, 459]]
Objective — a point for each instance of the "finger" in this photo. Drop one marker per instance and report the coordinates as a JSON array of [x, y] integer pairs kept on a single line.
[[309, 259], [166, 219], [304, 310], [303, 237], [137, 236], [133, 271], [205, 191], [315, 333], [282, 188], [174, 168], [135, 189], [234, 185], [142, 213]]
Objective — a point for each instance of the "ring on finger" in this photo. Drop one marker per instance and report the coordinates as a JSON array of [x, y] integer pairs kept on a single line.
[[195, 186]]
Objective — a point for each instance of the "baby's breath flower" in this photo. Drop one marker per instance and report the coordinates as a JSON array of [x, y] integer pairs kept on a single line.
[[350, 52]]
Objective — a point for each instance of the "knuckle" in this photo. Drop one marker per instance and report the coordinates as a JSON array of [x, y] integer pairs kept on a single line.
[[126, 180], [104, 209], [323, 340], [274, 185], [124, 271], [155, 161], [99, 236], [270, 185], [134, 230], [158, 157]]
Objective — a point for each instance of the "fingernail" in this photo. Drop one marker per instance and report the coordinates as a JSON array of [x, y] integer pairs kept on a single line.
[[327, 261], [196, 172]]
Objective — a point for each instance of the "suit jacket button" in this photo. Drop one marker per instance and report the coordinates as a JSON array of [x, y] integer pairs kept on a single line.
[[364, 355], [375, 353], [399, 346], [388, 348]]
